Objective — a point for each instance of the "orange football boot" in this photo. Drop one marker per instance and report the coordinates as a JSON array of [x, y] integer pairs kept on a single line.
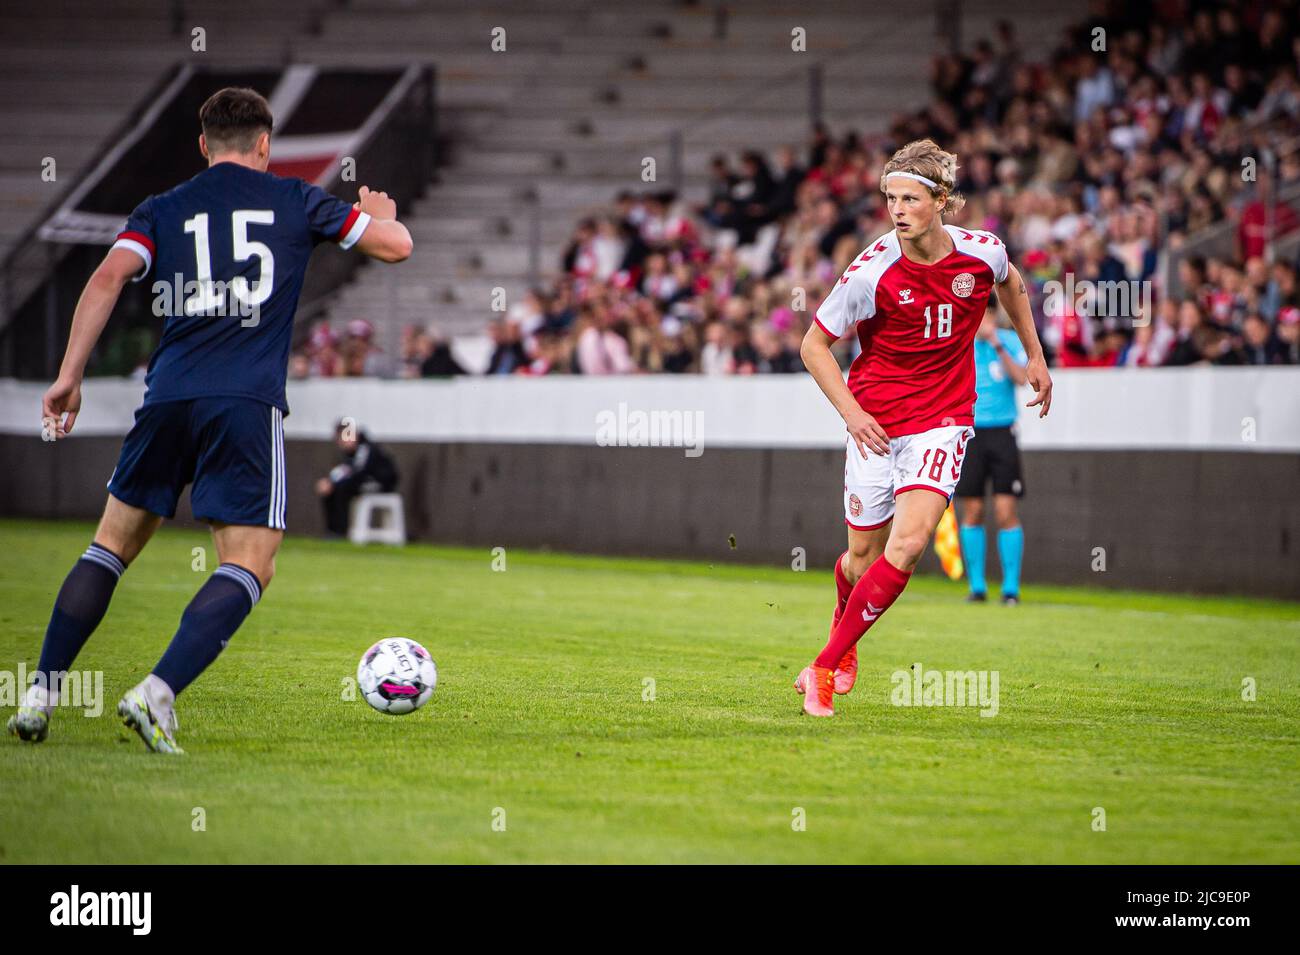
[[817, 684], [846, 671]]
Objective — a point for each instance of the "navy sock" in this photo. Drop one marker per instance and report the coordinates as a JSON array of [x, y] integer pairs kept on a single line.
[[78, 609], [207, 625]]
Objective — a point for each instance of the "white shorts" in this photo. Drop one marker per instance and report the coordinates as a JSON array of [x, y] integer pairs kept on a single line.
[[930, 460]]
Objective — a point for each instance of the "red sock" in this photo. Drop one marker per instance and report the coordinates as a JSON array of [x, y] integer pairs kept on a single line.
[[842, 590], [873, 594]]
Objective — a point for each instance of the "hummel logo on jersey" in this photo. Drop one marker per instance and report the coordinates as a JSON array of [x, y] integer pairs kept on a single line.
[[872, 612], [905, 296]]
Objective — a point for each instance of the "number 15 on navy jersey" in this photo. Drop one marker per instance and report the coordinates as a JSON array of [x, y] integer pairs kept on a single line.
[[228, 251]]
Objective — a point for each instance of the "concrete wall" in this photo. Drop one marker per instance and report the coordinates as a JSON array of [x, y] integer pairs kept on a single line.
[[1189, 520], [1245, 410]]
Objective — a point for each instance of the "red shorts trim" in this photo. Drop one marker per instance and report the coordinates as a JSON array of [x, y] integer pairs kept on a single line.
[[924, 487], [869, 527]]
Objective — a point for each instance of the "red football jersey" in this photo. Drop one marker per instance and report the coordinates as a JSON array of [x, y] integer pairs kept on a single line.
[[916, 324]]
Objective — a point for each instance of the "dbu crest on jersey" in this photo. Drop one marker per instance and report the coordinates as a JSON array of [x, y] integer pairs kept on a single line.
[[963, 285]]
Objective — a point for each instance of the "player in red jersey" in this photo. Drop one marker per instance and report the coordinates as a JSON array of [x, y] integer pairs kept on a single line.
[[914, 298]]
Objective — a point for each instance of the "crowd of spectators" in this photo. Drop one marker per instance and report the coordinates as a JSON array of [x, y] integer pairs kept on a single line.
[[1097, 165], [422, 353]]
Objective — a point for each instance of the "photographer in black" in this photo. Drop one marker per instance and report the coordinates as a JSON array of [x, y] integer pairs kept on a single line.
[[365, 468]]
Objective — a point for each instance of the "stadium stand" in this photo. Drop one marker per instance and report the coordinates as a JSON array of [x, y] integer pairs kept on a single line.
[[1183, 217], [72, 72], [549, 121], [76, 74], [565, 114], [598, 90], [1121, 170]]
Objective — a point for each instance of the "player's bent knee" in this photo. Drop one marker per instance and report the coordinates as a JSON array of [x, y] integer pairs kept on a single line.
[[262, 567], [124, 529], [252, 548], [905, 552], [860, 560], [121, 548], [259, 569]]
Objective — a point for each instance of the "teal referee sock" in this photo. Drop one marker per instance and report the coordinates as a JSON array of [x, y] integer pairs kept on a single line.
[[973, 545], [1011, 548]]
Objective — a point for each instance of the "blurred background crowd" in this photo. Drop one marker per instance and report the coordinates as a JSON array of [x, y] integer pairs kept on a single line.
[[1097, 165]]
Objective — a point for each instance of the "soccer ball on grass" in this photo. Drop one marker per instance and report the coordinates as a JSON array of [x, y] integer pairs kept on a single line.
[[397, 676]]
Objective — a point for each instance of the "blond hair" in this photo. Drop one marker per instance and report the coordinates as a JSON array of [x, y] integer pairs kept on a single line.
[[923, 157]]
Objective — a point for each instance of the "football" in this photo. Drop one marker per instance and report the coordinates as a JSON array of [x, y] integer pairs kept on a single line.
[[397, 676]]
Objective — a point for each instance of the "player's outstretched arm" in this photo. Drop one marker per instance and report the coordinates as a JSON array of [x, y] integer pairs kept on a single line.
[[93, 308], [821, 364], [1015, 299], [385, 238]]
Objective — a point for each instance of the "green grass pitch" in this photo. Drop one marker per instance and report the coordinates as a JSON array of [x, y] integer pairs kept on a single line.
[[1124, 701]]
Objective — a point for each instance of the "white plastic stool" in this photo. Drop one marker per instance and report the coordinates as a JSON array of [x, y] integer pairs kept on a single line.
[[390, 528]]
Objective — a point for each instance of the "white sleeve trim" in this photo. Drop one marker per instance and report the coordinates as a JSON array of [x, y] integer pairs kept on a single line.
[[139, 249], [358, 227]]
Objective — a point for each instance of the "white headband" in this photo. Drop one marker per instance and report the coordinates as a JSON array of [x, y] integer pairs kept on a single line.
[[911, 175]]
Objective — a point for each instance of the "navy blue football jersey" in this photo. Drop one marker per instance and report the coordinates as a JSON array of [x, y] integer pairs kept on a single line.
[[228, 251]]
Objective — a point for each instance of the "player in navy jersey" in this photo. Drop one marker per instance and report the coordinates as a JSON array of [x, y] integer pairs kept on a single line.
[[227, 251]]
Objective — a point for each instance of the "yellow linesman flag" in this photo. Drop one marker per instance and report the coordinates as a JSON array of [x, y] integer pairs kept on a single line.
[[947, 544]]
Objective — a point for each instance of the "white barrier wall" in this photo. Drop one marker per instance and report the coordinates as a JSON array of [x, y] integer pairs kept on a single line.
[[1225, 409]]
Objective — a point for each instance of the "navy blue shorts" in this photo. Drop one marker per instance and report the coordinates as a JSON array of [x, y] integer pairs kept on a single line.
[[230, 449]]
